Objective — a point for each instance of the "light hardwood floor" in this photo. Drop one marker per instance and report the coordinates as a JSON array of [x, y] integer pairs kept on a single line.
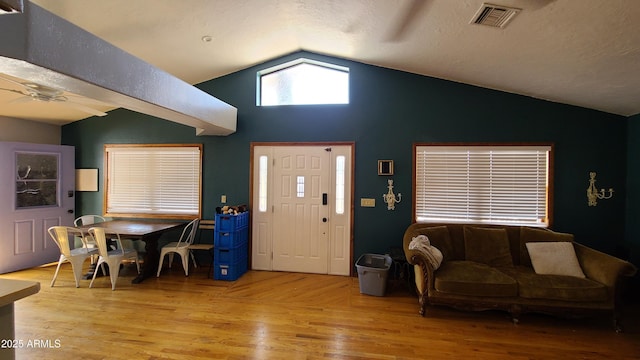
[[274, 315]]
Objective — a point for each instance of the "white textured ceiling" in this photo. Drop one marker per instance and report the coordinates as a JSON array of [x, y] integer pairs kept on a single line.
[[579, 52]]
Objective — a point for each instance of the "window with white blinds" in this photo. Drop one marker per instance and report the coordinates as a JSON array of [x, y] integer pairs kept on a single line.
[[483, 184], [153, 180]]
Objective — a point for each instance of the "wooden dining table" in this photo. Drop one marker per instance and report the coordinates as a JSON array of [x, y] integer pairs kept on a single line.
[[148, 231]]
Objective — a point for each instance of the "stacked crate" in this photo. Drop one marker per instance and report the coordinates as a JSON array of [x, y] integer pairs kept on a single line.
[[231, 249]]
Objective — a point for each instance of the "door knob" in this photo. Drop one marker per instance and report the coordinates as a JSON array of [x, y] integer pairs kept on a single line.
[[324, 219]]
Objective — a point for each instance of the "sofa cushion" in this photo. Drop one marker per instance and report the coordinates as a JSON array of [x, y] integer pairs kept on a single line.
[[487, 245], [554, 258], [556, 287], [528, 234], [440, 238], [462, 277]]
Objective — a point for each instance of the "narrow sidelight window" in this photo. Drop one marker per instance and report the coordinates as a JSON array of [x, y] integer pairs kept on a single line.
[[340, 175], [262, 187]]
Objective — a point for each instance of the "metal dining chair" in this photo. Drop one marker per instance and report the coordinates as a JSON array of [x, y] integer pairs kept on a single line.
[[63, 237], [112, 258], [88, 220], [206, 246], [180, 247]]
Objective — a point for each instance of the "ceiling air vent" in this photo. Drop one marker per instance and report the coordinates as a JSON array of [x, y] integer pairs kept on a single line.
[[494, 15]]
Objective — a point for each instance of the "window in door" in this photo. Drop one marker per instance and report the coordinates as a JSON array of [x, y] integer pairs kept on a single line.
[[300, 186], [36, 180]]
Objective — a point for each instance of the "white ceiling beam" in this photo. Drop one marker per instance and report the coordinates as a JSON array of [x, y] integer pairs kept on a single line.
[[40, 47]]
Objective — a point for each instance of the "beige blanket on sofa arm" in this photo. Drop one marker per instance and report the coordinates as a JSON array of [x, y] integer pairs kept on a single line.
[[422, 244]]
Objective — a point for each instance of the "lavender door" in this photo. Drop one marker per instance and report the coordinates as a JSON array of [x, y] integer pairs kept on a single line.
[[36, 192]]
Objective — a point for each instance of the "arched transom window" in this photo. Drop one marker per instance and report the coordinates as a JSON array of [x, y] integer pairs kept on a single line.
[[303, 82]]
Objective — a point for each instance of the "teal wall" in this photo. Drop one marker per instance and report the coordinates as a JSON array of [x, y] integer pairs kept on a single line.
[[389, 111], [632, 244], [630, 250]]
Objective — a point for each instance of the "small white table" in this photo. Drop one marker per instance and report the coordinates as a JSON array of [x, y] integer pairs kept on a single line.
[[10, 292]]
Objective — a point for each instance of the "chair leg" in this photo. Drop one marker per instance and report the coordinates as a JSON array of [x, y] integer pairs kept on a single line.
[[104, 272], [162, 254], [94, 257], [195, 264], [114, 270], [98, 264], [76, 266], [55, 275], [212, 253], [185, 263]]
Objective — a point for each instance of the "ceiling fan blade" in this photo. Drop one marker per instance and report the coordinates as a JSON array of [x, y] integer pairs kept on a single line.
[[36, 92], [87, 101], [21, 100], [13, 91], [35, 89], [12, 81], [410, 14], [82, 108]]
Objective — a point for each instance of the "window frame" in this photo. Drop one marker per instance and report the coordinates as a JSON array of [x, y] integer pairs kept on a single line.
[[151, 215], [291, 64], [550, 177]]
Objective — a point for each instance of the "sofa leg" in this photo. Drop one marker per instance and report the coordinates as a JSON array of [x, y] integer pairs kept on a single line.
[[617, 327], [515, 312], [616, 323], [423, 306]]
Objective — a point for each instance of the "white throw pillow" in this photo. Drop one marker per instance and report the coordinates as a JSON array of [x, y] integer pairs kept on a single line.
[[554, 258]]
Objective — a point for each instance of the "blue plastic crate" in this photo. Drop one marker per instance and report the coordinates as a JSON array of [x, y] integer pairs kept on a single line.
[[230, 239], [226, 222], [231, 255], [229, 271]]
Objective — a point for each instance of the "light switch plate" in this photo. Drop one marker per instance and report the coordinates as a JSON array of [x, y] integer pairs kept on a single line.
[[367, 202]]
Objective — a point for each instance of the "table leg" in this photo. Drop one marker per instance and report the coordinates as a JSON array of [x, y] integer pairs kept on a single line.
[[7, 332], [151, 258]]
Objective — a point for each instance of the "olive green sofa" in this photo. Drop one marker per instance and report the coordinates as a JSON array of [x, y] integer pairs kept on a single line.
[[489, 267]]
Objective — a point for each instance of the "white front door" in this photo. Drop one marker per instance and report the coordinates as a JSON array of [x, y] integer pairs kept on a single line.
[[302, 209], [37, 192]]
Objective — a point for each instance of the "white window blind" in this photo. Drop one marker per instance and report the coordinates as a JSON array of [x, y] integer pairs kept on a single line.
[[154, 180], [482, 184]]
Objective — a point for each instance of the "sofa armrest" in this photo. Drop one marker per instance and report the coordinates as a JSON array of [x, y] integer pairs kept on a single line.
[[423, 272], [601, 267], [422, 267]]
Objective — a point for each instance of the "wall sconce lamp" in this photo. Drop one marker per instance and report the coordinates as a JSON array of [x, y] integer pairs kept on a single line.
[[593, 194], [390, 198]]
